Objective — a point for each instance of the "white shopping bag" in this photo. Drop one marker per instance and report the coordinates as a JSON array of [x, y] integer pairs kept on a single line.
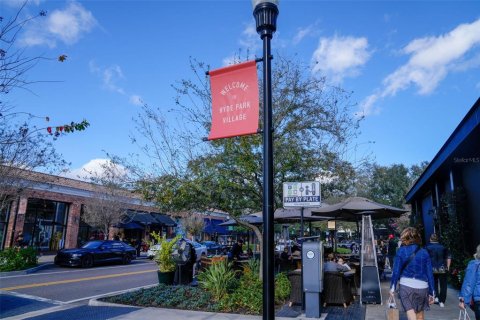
[[463, 315]]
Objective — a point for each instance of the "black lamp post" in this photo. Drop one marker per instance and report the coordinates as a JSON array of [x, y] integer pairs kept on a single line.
[[265, 13]]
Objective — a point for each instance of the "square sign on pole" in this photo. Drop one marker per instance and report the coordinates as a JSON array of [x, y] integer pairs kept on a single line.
[[301, 194]]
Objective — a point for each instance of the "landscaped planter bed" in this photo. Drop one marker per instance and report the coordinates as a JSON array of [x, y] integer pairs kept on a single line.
[[175, 297]]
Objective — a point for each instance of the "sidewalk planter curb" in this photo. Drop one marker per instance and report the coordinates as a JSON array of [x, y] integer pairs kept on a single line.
[[96, 303], [26, 271]]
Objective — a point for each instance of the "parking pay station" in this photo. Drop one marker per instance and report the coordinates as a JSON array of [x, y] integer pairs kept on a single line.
[[312, 264]]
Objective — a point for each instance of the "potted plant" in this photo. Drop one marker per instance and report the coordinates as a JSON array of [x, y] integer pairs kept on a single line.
[[163, 258]]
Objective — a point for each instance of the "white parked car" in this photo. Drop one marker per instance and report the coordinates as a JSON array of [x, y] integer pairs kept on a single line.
[[200, 250], [152, 251]]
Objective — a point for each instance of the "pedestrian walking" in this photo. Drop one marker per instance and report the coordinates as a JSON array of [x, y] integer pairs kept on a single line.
[[412, 270], [392, 248], [470, 292], [441, 261]]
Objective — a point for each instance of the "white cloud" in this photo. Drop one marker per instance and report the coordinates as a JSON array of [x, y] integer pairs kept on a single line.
[[66, 25], [249, 43], [431, 60], [340, 57], [227, 61], [110, 76], [94, 168], [302, 33], [250, 39], [367, 106], [136, 100]]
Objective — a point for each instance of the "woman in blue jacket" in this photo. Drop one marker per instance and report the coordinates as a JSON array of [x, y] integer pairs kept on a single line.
[[471, 285], [412, 270]]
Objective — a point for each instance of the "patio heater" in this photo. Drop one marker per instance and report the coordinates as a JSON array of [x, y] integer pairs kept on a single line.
[[370, 288]]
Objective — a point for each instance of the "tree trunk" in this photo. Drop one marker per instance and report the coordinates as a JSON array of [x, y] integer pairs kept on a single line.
[[258, 233]]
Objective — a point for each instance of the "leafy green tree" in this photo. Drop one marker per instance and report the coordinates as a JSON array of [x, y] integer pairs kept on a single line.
[[388, 185], [313, 124]]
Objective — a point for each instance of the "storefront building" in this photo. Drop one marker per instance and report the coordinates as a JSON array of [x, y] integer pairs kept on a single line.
[[451, 183], [46, 213]]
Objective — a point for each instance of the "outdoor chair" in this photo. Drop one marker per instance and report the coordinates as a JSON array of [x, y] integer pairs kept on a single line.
[[285, 265], [336, 289]]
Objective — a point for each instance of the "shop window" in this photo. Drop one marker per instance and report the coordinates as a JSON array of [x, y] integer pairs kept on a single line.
[[45, 224], [4, 215]]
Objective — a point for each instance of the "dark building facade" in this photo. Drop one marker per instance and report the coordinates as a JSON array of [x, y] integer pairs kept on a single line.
[[451, 182]]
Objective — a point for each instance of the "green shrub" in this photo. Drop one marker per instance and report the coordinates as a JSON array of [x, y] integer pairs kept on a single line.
[[163, 257], [282, 288], [253, 266], [247, 297], [179, 297], [217, 279], [343, 251], [12, 259]]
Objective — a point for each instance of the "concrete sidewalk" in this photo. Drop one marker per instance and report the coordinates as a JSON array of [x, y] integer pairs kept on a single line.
[[449, 312], [177, 314], [373, 312]]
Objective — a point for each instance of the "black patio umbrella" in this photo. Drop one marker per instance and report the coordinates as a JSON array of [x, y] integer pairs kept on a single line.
[[292, 215], [281, 215], [254, 218], [352, 209]]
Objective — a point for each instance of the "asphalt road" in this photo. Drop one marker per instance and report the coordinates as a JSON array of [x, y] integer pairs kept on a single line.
[[60, 285]]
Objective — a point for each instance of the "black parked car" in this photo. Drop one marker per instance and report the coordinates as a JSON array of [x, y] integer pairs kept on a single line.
[[96, 252], [214, 247]]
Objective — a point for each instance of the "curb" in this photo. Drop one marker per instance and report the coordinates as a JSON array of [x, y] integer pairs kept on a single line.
[[26, 271], [94, 301]]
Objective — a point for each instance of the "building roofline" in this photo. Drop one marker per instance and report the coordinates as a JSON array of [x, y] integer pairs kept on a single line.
[[48, 182], [465, 127]]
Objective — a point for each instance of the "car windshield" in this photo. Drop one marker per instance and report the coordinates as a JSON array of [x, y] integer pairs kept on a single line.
[[92, 245]]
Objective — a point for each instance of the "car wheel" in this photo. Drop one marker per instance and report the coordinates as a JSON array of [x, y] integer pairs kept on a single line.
[[87, 262], [126, 259]]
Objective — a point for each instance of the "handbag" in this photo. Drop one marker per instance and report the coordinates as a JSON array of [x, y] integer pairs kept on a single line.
[[463, 315], [392, 312]]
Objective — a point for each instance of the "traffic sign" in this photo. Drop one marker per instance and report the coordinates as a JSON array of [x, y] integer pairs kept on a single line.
[[301, 194]]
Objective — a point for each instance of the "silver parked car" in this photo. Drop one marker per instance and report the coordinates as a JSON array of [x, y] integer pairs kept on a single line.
[[200, 250]]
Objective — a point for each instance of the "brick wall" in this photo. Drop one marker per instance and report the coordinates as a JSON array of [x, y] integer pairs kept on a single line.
[[16, 220], [72, 225]]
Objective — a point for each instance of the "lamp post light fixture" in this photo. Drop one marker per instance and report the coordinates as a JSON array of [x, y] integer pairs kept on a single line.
[[265, 13]]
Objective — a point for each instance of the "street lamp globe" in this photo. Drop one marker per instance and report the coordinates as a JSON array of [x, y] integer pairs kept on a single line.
[[265, 13]]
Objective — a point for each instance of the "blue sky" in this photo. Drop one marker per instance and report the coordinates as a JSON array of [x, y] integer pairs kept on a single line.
[[414, 66]]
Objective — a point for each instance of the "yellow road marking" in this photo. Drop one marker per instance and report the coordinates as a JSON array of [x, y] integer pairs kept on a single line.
[[44, 284]]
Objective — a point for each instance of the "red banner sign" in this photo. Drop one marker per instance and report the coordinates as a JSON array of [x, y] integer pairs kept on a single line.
[[234, 100]]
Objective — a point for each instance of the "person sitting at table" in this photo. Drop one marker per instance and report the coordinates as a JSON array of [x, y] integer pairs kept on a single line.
[[341, 262], [331, 266], [237, 251], [285, 256], [296, 251]]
